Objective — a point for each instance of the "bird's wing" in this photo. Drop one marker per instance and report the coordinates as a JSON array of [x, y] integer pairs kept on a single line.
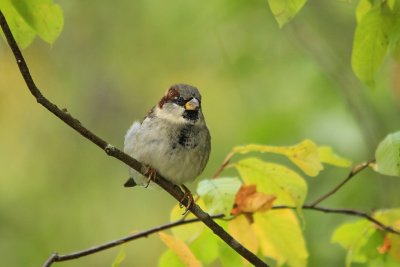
[[129, 141]]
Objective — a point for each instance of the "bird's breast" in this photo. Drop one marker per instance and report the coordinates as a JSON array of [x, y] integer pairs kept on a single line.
[[185, 138]]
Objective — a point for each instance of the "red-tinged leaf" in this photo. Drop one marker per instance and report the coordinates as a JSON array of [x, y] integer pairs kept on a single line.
[[248, 200], [274, 179]]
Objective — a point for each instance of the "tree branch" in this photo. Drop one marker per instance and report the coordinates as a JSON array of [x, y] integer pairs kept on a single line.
[[355, 170], [55, 257], [112, 151], [347, 212]]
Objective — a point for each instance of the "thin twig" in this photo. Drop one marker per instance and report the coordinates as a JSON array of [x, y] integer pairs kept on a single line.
[[355, 170], [112, 151], [347, 212], [224, 164], [57, 258]]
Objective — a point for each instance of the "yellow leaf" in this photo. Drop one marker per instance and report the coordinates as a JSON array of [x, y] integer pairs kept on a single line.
[[241, 230], [188, 232], [274, 179], [304, 155], [394, 246], [181, 249], [249, 200], [280, 237], [389, 217], [327, 155], [119, 258]]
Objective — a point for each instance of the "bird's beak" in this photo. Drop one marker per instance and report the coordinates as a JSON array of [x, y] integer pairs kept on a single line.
[[193, 104]]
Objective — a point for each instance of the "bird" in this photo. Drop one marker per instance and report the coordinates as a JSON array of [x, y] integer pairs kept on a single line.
[[172, 140]]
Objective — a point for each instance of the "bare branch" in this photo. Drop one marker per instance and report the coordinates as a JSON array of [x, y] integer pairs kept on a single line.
[[347, 212], [112, 151], [355, 170], [57, 258]]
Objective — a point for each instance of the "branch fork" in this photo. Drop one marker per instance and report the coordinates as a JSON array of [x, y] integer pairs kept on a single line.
[[112, 151], [174, 190]]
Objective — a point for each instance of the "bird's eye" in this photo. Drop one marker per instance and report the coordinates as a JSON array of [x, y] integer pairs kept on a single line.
[[179, 101]]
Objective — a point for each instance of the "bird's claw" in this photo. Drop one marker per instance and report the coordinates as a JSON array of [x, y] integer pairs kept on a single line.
[[187, 194], [152, 175]]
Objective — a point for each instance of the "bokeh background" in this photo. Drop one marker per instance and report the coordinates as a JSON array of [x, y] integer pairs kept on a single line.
[[112, 63]]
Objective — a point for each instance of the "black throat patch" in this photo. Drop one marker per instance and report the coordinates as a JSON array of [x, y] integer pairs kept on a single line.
[[187, 136], [191, 115]]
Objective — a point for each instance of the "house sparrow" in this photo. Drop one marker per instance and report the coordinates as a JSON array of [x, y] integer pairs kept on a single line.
[[172, 140]]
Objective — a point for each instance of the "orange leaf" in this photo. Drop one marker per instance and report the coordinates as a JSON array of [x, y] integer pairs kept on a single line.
[[385, 246], [248, 200], [181, 250]]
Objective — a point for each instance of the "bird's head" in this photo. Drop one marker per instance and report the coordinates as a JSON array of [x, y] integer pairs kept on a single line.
[[181, 104]]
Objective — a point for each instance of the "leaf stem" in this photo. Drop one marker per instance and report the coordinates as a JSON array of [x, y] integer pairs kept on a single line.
[[355, 170], [224, 164]]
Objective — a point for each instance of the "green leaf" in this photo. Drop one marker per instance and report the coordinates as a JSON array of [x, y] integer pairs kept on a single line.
[[396, 51], [205, 247], [285, 10], [23, 33], [387, 155], [188, 232], [219, 194], [226, 255], [352, 237], [371, 41], [362, 8], [119, 258], [274, 179], [43, 16], [281, 238], [391, 4], [369, 249], [365, 242], [169, 258], [27, 18]]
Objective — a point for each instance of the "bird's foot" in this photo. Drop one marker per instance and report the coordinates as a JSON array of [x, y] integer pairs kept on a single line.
[[151, 174], [187, 194]]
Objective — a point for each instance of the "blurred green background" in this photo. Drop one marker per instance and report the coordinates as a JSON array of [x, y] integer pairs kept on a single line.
[[112, 63]]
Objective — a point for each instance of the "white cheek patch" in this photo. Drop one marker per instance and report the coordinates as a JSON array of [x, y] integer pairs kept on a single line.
[[172, 115]]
